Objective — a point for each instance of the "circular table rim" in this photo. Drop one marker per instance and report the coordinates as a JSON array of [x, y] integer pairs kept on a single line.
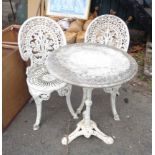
[[96, 85]]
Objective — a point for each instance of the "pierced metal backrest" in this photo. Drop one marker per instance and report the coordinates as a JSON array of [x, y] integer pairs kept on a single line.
[[38, 36], [108, 30]]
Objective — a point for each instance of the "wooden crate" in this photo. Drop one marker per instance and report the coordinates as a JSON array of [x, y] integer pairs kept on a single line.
[[14, 88]]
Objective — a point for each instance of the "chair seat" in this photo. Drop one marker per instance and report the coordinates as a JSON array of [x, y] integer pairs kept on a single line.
[[39, 78]]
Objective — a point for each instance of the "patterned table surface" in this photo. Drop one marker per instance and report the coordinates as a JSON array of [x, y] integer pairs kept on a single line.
[[91, 65]]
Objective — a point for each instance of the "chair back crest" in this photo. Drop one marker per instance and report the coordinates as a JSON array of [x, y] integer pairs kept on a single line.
[[108, 30], [38, 36]]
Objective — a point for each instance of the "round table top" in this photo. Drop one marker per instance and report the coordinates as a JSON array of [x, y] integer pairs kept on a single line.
[[91, 65]]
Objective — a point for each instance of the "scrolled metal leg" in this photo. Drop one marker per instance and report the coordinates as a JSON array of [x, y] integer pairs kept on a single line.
[[70, 107], [79, 109], [66, 91], [113, 106], [114, 92], [38, 103], [38, 97]]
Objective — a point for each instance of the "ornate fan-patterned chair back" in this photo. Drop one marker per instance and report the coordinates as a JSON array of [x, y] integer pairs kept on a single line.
[[108, 30], [38, 36]]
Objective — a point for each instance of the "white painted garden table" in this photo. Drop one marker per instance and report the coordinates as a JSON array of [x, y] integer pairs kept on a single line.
[[91, 66]]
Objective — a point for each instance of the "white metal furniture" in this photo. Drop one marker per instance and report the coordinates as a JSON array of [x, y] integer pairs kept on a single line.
[[91, 66], [113, 31], [39, 36]]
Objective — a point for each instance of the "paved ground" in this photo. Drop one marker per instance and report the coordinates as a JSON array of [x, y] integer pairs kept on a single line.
[[132, 134]]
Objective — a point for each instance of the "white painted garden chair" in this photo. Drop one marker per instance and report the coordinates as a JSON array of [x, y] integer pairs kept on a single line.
[[39, 36], [113, 31]]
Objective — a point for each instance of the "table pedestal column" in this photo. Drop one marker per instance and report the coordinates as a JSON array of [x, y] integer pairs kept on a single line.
[[87, 127]]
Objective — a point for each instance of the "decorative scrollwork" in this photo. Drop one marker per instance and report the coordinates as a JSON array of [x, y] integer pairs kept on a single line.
[[38, 37], [44, 96], [65, 90], [114, 89], [108, 30]]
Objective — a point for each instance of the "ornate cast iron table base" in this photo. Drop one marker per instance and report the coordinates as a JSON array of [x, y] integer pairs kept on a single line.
[[87, 127], [114, 91], [92, 66]]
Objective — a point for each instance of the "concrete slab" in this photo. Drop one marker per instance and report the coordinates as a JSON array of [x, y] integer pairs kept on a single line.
[[132, 134]]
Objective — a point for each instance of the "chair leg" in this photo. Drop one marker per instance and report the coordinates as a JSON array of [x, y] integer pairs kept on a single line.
[[38, 97], [66, 91], [79, 109], [114, 92], [113, 106], [70, 107], [38, 102]]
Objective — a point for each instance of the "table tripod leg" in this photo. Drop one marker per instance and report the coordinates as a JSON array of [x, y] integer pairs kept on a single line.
[[76, 133], [87, 127], [98, 133]]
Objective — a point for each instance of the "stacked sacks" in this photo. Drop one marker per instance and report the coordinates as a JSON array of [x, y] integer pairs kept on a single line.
[[74, 29]]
